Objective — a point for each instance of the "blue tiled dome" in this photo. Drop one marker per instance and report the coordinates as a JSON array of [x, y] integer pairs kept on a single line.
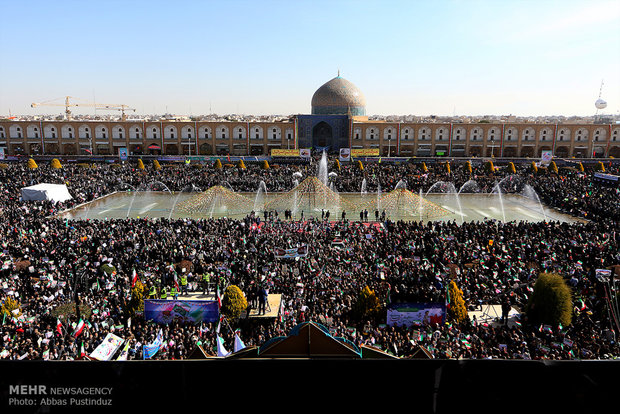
[[338, 97]]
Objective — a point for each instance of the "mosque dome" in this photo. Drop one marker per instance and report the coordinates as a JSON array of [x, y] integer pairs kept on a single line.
[[338, 97]]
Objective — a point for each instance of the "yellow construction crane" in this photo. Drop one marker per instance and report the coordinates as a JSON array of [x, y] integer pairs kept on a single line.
[[67, 105]]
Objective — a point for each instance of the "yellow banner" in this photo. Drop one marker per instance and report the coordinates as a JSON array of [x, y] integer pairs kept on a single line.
[[364, 152], [276, 152]]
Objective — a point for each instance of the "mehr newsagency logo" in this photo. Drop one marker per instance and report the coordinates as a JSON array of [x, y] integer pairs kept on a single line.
[[43, 395]]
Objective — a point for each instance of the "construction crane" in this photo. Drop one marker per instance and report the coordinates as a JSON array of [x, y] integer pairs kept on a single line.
[[68, 104]]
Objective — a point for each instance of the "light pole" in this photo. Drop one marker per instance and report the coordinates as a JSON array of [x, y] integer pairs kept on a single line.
[[78, 276]]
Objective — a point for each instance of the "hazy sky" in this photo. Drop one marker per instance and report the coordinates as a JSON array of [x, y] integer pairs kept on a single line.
[[438, 57]]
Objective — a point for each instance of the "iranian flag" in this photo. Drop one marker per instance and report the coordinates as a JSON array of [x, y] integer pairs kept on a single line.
[[221, 351], [582, 305], [58, 326], [281, 310], [79, 328], [239, 345], [82, 352], [219, 298], [134, 278]]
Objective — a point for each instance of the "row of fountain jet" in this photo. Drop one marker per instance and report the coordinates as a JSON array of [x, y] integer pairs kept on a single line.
[[323, 198], [440, 187]]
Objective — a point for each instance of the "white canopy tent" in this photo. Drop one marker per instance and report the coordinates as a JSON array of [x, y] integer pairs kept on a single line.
[[52, 192]]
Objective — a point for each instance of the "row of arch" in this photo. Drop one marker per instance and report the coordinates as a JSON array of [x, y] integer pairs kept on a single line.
[[479, 134], [272, 132]]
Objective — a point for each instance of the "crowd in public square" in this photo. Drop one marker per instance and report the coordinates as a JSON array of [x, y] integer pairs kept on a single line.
[[45, 258]]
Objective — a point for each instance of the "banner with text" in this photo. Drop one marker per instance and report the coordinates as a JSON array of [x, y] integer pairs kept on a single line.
[[414, 314], [279, 152], [364, 152], [301, 251], [182, 311]]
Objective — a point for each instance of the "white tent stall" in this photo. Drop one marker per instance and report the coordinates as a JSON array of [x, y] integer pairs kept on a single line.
[[52, 192]]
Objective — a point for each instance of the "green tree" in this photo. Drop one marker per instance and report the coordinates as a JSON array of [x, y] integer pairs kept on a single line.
[[468, 167], [233, 302], [367, 304], [136, 301], [552, 301], [553, 167], [457, 309], [10, 308], [490, 168]]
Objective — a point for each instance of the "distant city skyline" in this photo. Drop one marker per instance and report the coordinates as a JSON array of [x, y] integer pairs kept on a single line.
[[444, 58]]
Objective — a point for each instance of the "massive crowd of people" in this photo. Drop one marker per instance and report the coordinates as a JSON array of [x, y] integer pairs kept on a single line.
[[46, 258]]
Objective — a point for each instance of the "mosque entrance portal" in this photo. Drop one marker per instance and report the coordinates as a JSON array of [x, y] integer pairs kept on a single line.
[[322, 134]]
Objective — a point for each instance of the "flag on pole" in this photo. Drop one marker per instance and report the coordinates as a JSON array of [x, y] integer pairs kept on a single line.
[[219, 298], [281, 310], [82, 352], [221, 351], [58, 326], [582, 305], [239, 345], [79, 328], [134, 278], [176, 283]]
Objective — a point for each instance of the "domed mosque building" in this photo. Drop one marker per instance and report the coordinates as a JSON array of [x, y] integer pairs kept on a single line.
[[339, 97], [335, 105]]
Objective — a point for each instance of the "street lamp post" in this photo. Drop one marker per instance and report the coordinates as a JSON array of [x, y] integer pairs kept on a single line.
[[77, 278]]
